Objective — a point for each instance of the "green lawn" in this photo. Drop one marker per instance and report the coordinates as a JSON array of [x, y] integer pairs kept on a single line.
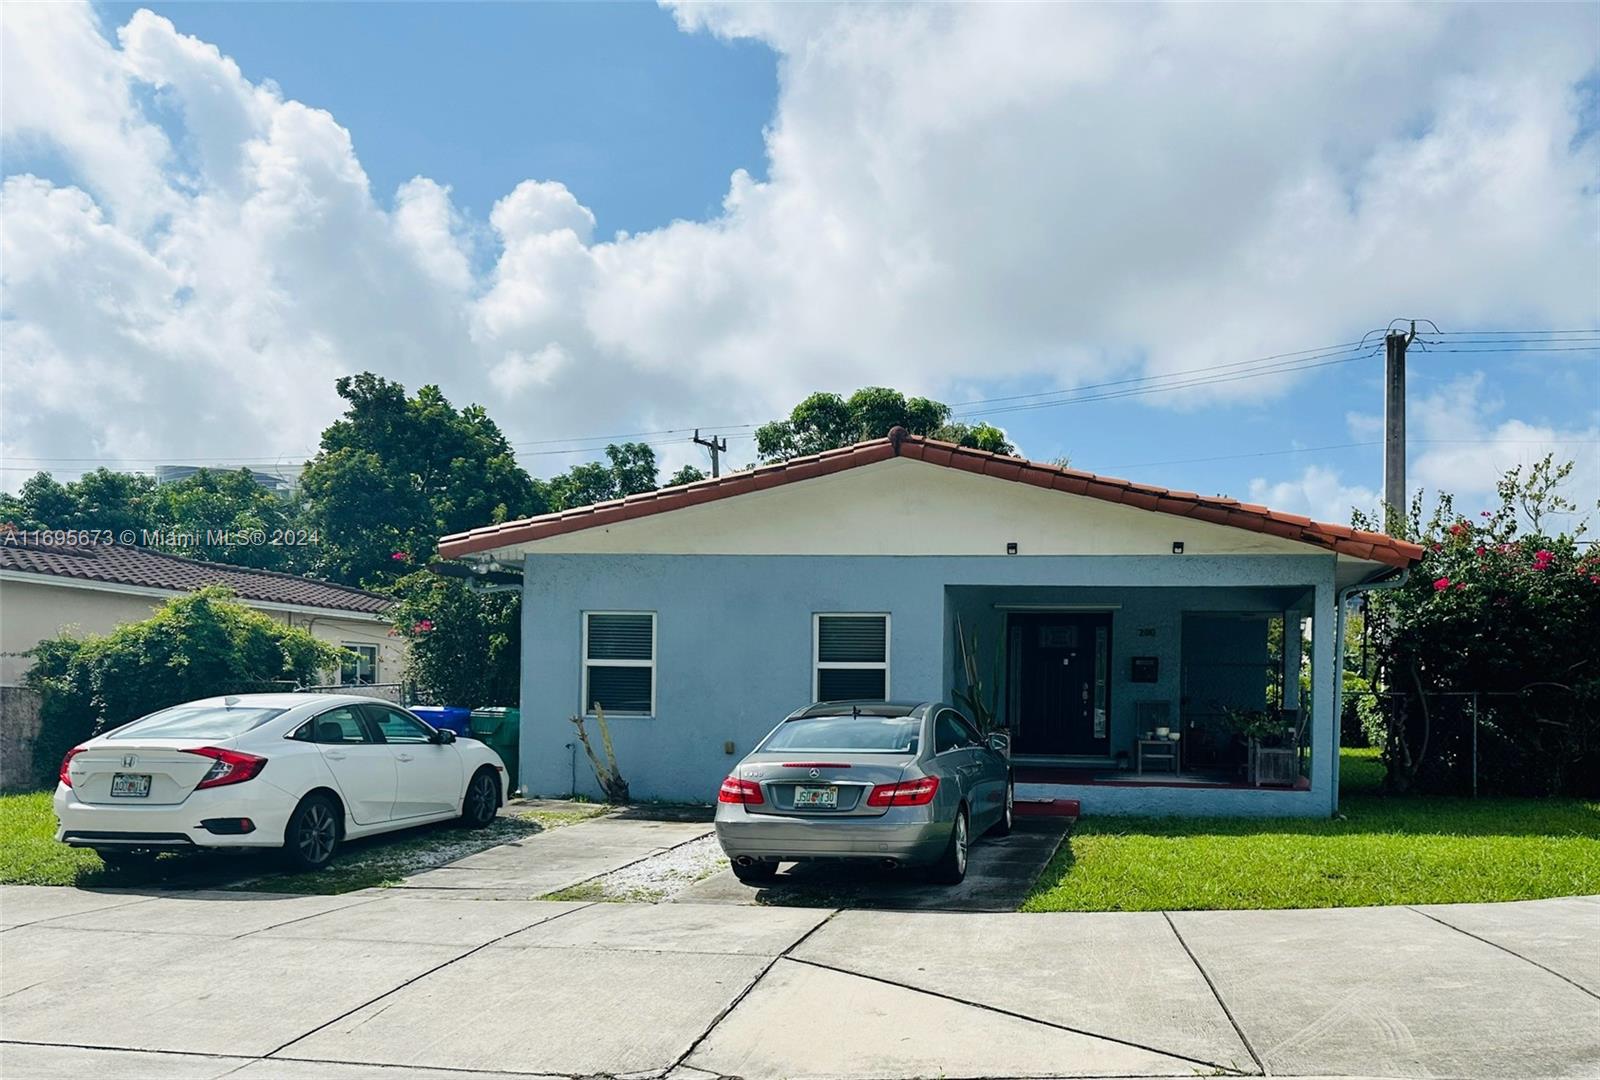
[[1381, 850], [30, 855]]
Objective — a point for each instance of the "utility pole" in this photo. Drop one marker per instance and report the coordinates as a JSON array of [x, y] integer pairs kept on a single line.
[[716, 446], [1394, 426]]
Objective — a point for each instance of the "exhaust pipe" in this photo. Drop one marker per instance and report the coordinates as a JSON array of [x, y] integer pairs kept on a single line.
[[890, 864], [744, 860]]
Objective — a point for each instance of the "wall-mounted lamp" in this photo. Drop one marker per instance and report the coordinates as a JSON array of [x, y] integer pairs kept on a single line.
[[1011, 547], [1177, 547]]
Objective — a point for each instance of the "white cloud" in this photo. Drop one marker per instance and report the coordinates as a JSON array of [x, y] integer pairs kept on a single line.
[[954, 194], [1318, 492], [1458, 446]]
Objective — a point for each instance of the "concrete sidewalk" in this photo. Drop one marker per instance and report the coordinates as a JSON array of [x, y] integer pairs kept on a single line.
[[403, 983]]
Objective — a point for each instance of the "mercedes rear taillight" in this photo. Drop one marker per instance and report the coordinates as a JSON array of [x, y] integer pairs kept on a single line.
[[228, 766], [909, 793], [735, 790]]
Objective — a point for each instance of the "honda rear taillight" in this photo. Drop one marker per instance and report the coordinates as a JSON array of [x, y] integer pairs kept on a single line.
[[66, 777], [734, 790], [910, 793], [228, 766]]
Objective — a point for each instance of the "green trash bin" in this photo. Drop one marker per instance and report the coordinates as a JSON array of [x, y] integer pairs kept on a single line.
[[500, 728]]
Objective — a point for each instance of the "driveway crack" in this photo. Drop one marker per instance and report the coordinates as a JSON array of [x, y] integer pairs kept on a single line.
[[996, 1009], [420, 976], [1206, 975], [1505, 949], [739, 998]]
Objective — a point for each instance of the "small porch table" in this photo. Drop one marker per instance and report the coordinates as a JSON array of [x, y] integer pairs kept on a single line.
[[1158, 750]]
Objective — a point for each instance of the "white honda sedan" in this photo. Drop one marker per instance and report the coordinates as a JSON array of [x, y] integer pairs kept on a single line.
[[299, 772]]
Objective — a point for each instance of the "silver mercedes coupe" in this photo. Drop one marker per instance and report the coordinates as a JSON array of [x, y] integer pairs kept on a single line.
[[899, 783]]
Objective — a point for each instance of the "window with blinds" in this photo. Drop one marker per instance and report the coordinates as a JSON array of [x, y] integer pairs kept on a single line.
[[850, 657], [619, 662]]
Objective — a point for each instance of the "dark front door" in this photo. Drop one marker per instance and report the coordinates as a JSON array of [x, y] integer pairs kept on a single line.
[[1061, 664]]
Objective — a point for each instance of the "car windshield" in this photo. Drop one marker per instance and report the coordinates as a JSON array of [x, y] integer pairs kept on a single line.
[[197, 722], [863, 734]]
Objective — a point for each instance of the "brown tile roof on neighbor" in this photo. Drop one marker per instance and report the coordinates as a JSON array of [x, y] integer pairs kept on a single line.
[[115, 564], [1214, 509]]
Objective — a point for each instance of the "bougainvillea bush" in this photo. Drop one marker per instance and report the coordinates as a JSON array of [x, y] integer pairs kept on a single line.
[[466, 646], [1505, 609]]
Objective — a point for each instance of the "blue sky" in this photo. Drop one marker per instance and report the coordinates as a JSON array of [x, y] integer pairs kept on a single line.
[[611, 98], [926, 214]]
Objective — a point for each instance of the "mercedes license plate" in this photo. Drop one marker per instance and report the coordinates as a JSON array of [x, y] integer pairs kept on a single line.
[[125, 785], [816, 798]]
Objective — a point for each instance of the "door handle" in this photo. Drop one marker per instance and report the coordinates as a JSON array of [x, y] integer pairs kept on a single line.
[[333, 755], [402, 757]]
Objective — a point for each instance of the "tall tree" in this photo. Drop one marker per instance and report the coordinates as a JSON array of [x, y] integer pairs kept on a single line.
[[102, 499], [826, 421], [395, 473], [629, 468], [225, 517]]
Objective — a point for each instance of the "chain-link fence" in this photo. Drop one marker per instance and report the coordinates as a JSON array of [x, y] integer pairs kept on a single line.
[[1541, 740], [396, 693]]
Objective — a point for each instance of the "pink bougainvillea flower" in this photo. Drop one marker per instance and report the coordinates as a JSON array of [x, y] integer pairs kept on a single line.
[[1458, 528], [1595, 578], [401, 556], [1460, 585], [1441, 585], [422, 626], [1542, 559], [1482, 550], [1483, 513]]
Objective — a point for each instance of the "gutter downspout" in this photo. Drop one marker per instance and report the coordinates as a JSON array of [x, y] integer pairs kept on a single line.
[[1381, 584]]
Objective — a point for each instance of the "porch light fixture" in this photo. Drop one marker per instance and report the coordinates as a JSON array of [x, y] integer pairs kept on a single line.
[[1177, 547], [1011, 547]]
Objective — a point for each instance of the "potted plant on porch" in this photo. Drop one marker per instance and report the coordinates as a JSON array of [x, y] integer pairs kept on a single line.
[[1274, 756], [981, 699]]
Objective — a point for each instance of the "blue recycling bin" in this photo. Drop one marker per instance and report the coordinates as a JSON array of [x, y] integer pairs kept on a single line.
[[446, 717]]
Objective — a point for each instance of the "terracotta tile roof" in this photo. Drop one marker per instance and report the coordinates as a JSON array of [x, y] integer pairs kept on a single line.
[[1215, 509], [115, 564]]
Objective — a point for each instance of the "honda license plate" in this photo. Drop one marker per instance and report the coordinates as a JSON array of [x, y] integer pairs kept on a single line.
[[126, 785], [816, 798]]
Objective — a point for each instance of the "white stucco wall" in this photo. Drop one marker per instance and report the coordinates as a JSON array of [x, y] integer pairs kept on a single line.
[[31, 612], [906, 507]]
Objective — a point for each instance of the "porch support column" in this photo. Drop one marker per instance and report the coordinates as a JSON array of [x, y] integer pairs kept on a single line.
[[1324, 724], [1291, 659]]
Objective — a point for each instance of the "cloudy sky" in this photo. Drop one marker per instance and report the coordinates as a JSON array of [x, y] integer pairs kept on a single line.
[[1086, 223]]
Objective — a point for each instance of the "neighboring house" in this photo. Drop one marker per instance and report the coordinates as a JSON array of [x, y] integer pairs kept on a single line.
[[700, 615], [45, 590]]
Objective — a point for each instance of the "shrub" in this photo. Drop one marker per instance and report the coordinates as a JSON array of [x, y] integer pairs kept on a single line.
[[1511, 616], [194, 646], [466, 646]]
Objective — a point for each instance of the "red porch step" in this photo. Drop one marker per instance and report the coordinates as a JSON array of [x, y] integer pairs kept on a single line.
[[1054, 808]]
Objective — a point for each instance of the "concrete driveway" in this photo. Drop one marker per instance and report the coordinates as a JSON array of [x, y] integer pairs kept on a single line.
[[402, 984]]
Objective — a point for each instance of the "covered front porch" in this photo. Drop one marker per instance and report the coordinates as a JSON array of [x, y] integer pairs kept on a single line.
[[1132, 699]]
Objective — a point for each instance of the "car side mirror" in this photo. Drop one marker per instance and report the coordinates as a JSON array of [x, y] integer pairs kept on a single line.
[[444, 737], [999, 742]]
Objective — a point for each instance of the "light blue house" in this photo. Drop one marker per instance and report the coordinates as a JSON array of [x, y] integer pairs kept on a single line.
[[1104, 617]]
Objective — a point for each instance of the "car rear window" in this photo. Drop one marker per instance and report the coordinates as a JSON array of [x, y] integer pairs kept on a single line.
[[869, 734], [197, 722]]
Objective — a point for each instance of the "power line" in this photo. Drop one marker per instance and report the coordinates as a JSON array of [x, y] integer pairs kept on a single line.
[[1140, 391], [1353, 446], [1326, 349], [1506, 341]]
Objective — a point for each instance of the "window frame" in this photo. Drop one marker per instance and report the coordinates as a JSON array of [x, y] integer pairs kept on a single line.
[[358, 647], [818, 665], [586, 701], [373, 715], [371, 737]]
